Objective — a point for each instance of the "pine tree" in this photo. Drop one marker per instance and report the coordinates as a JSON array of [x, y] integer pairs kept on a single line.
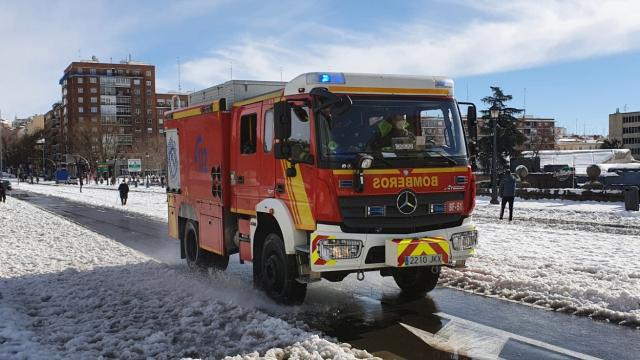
[[508, 136]]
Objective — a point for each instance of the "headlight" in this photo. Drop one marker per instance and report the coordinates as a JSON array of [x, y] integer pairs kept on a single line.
[[337, 249], [464, 240]]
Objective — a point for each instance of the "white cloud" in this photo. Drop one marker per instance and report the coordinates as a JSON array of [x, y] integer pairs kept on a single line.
[[41, 38], [506, 36]]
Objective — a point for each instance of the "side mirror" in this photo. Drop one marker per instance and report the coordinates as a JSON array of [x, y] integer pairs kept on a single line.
[[282, 150], [472, 122], [282, 120]]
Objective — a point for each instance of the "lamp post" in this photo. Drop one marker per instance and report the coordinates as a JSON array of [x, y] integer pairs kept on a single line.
[[495, 113], [43, 165]]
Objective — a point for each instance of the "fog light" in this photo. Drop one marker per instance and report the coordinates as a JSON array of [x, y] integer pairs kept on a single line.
[[339, 249], [464, 240]]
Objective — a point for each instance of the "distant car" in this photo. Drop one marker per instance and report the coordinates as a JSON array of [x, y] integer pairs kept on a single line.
[[7, 175], [72, 181], [7, 184]]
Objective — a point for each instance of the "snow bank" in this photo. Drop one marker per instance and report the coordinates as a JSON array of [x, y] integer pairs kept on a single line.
[[567, 256], [66, 292]]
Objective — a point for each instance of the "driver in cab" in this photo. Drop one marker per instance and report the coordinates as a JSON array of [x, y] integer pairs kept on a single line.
[[394, 126]]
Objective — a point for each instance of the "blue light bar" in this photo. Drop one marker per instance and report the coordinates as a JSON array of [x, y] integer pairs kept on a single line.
[[326, 78], [448, 83]]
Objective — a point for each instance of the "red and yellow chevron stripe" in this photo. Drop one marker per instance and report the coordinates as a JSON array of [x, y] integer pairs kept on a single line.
[[421, 246], [315, 256]]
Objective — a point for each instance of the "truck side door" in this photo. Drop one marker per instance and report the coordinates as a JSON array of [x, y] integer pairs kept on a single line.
[[267, 175], [245, 168]]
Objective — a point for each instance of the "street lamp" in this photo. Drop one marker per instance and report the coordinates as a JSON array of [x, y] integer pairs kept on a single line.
[[495, 113]]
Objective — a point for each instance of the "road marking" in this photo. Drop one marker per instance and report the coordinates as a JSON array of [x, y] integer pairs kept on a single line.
[[464, 337]]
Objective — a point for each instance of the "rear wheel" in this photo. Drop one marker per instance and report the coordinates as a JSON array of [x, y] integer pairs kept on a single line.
[[278, 272], [418, 280], [198, 258]]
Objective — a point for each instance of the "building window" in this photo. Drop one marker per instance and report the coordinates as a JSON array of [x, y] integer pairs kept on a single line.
[[148, 102], [149, 130], [80, 109], [94, 109], [80, 70], [93, 80], [138, 111], [149, 121], [136, 81], [248, 134], [80, 100], [80, 80], [80, 90], [148, 92], [94, 100], [92, 71], [148, 111], [148, 82], [136, 91], [94, 90], [148, 73], [109, 72]]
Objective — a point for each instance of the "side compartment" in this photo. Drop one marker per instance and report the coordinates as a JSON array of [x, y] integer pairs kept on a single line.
[[211, 228]]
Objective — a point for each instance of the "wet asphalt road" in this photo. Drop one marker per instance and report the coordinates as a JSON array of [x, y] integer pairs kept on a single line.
[[372, 314]]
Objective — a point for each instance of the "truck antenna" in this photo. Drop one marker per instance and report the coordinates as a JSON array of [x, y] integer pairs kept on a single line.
[[179, 84]]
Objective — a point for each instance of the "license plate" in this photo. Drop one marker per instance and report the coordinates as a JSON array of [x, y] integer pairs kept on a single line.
[[423, 260]]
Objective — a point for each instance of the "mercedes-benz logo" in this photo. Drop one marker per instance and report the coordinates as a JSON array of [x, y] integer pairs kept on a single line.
[[407, 202]]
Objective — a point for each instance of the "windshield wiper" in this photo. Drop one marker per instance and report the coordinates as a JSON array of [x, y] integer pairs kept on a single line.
[[443, 156]]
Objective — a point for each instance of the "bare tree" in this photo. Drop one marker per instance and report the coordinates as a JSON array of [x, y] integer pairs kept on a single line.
[[153, 152]]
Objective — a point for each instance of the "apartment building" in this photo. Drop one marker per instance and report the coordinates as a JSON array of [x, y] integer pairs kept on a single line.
[[114, 104], [540, 133], [625, 127]]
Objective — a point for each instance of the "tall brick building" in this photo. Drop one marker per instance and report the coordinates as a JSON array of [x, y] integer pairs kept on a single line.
[[107, 108]]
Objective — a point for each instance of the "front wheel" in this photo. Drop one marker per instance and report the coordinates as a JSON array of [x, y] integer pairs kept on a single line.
[[417, 280], [278, 272]]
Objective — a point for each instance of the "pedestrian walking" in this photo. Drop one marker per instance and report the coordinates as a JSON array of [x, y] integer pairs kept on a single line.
[[124, 192], [3, 192], [507, 193]]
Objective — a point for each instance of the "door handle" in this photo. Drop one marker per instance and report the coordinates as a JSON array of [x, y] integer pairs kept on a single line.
[[280, 188], [240, 179]]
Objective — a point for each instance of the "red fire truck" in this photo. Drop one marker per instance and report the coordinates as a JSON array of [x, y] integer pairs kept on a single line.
[[330, 174]]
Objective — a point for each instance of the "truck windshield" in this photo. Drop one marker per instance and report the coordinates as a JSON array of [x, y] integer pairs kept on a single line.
[[395, 132]]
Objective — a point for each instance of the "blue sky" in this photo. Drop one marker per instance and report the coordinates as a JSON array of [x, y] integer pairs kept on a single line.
[[578, 60]]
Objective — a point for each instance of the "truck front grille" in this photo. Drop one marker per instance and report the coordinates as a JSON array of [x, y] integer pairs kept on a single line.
[[356, 219]]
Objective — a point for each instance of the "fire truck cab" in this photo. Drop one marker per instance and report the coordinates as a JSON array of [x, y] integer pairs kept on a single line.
[[329, 174]]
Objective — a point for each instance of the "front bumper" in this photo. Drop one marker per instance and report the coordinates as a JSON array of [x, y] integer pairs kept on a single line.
[[391, 251]]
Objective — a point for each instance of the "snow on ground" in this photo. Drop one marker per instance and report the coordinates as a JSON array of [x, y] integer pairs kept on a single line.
[[66, 292], [580, 258], [150, 201], [576, 257]]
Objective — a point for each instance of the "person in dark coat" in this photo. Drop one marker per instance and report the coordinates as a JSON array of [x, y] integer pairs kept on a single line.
[[80, 182], [3, 192], [507, 193], [124, 192]]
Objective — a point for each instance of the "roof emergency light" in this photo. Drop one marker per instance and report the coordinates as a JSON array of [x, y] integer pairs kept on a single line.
[[325, 78]]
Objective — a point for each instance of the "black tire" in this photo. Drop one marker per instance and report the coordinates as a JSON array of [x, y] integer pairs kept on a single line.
[[278, 272], [418, 280], [198, 258]]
